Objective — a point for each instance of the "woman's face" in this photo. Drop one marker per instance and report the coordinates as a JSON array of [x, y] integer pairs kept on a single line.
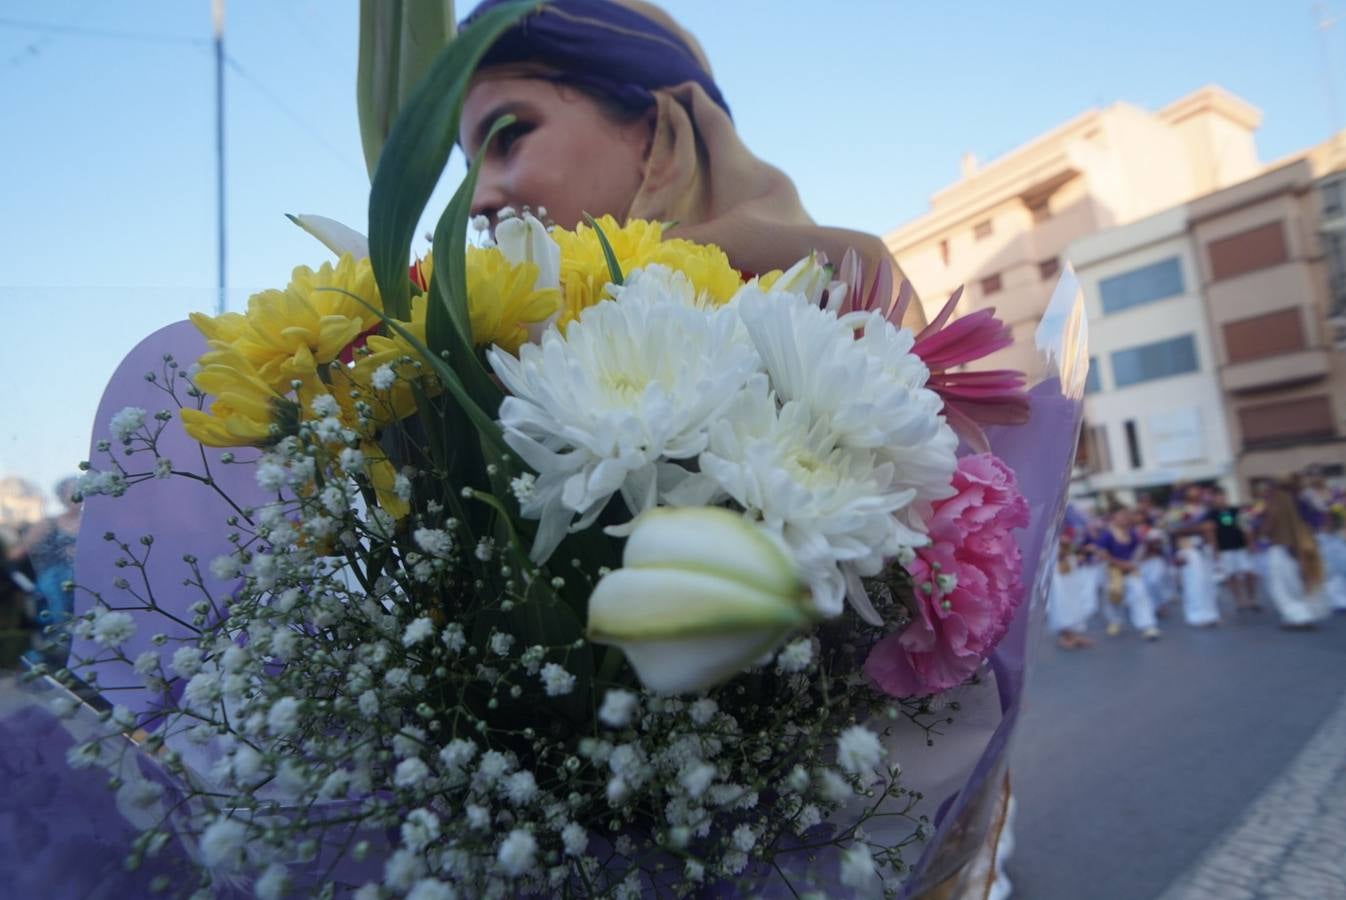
[[565, 153]]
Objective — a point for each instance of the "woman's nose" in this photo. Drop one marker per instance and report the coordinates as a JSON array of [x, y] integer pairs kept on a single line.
[[490, 195]]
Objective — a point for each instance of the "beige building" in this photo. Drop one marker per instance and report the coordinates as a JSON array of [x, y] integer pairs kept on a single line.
[[1154, 408], [1269, 252], [1003, 228], [21, 504]]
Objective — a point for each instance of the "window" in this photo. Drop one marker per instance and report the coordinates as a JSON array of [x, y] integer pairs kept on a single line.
[[990, 285], [1148, 362], [1269, 334], [1041, 210], [1093, 382], [944, 251], [1139, 286], [1133, 443], [1334, 198], [1287, 421], [982, 230], [1092, 455], [1248, 251], [1049, 267]]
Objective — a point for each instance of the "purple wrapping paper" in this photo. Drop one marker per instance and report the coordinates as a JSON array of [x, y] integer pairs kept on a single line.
[[184, 516], [64, 834]]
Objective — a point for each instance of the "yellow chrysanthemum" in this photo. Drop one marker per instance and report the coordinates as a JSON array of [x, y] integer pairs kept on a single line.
[[318, 311], [356, 383], [502, 301], [246, 410], [382, 477], [584, 268]]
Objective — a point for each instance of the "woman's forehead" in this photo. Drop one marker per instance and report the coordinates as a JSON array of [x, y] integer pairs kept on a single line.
[[488, 98]]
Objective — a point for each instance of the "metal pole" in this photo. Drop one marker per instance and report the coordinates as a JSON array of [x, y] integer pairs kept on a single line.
[[217, 20]]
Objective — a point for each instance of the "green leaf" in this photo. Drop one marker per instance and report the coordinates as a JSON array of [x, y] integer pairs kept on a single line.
[[614, 269], [419, 146], [448, 325], [398, 42]]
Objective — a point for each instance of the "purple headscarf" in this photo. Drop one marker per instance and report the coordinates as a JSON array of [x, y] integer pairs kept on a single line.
[[604, 47]]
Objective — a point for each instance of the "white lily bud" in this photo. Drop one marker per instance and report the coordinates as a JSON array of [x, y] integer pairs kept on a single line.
[[525, 239], [338, 238], [702, 594], [810, 277]]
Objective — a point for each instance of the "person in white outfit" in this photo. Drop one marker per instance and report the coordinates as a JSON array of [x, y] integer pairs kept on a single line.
[[1157, 570], [1073, 598], [1332, 547], [1295, 574], [1122, 547]]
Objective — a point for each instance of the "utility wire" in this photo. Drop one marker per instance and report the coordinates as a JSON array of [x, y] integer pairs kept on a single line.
[[53, 28], [309, 131], [82, 31]]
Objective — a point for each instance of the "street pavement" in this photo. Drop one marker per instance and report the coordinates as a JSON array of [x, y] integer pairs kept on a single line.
[[1210, 765]]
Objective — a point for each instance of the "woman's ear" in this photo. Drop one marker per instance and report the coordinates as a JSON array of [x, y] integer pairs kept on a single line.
[[650, 122]]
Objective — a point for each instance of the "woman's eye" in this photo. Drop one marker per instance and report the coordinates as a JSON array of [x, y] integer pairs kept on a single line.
[[508, 136]]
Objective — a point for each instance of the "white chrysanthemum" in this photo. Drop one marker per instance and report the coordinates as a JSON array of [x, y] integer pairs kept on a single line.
[[631, 384], [859, 750], [835, 507], [871, 390]]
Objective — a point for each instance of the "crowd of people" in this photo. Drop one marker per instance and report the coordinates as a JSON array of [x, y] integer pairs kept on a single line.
[[1203, 555], [37, 564]]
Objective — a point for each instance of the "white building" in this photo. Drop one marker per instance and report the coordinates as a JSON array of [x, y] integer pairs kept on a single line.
[[1154, 409]]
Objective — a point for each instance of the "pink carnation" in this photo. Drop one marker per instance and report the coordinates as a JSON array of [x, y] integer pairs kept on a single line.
[[952, 631]]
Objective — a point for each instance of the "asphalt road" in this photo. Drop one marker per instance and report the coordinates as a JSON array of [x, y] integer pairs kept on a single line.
[[1210, 765]]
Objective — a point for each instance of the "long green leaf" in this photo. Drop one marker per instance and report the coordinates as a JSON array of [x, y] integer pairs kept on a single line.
[[398, 42], [451, 232], [419, 146], [614, 267], [448, 325]]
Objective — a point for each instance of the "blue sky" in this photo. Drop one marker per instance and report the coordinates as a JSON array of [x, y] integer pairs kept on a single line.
[[108, 148]]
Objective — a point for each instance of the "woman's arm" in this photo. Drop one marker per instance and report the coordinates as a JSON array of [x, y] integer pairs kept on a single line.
[[30, 539], [757, 247]]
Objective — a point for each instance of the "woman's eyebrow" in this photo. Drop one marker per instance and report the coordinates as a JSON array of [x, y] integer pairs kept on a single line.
[[509, 107]]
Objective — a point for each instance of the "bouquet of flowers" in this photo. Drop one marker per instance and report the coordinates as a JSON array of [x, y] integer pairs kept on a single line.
[[559, 562]]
